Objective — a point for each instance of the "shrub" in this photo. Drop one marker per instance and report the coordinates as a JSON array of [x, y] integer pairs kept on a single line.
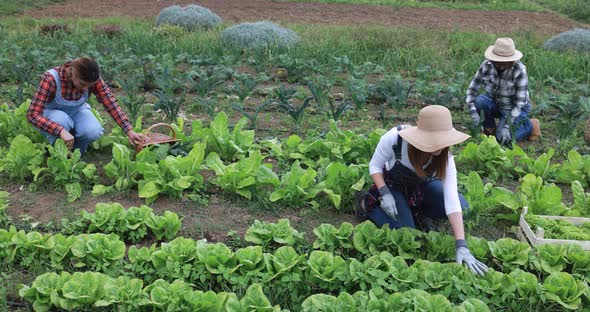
[[259, 36], [191, 17], [577, 39]]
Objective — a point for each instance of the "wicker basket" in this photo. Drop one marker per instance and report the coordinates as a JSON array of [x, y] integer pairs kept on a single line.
[[157, 138]]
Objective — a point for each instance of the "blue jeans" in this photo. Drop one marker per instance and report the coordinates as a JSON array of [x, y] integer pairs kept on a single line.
[[433, 207], [86, 127], [491, 111]]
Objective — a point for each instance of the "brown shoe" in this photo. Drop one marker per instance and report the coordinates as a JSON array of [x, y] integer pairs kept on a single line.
[[536, 133]]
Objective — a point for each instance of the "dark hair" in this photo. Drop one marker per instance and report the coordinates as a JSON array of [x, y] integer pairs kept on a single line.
[[419, 158], [87, 69]]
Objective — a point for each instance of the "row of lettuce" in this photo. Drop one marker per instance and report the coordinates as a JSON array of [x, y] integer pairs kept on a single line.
[[311, 172], [289, 278], [345, 259], [114, 226], [88, 291]]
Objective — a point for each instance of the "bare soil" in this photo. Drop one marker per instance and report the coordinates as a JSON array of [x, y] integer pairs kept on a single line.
[[211, 221], [315, 13]]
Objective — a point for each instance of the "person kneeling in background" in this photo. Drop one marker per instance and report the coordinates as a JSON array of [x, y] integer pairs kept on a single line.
[[60, 109]]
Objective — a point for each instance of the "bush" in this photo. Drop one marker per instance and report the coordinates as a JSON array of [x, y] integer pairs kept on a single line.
[[191, 17], [259, 36], [577, 39]]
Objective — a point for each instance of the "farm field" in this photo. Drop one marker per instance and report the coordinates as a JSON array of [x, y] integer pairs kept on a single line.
[[253, 209]]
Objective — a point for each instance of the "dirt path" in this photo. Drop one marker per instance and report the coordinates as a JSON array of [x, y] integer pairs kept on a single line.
[[338, 14]]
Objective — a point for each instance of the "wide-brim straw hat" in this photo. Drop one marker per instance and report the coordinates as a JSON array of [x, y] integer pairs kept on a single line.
[[434, 131], [503, 51]]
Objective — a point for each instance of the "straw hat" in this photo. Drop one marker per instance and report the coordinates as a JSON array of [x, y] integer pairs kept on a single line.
[[503, 51], [434, 131]]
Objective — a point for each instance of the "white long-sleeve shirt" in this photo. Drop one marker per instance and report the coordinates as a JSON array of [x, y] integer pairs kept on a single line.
[[384, 156]]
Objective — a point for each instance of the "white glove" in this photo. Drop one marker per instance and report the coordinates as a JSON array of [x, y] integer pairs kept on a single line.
[[388, 202], [475, 117], [515, 112], [503, 135], [465, 256]]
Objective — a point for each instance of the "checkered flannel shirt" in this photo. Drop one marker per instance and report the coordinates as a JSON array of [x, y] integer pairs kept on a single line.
[[510, 90], [46, 93]]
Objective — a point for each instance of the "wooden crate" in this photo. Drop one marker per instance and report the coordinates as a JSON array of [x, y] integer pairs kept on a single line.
[[536, 237]]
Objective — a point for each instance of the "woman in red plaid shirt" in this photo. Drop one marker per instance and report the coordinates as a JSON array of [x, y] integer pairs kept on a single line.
[[60, 109]]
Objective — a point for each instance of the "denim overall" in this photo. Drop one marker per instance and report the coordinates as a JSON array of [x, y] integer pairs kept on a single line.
[[426, 195], [75, 116]]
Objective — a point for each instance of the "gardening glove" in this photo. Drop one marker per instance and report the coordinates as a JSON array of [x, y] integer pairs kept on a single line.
[[463, 255], [475, 118], [388, 202], [503, 135], [515, 112]]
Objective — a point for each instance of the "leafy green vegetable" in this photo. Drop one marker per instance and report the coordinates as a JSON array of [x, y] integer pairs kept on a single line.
[[218, 258], [407, 241], [66, 169], [165, 226], [541, 166], [581, 199], [229, 145], [539, 197], [368, 239], [4, 218], [22, 159], [549, 258], [243, 177], [268, 234], [172, 175], [332, 239], [340, 182], [174, 260], [479, 247], [564, 289], [297, 186], [13, 122], [575, 168], [558, 229], [98, 251], [511, 253], [327, 269], [489, 158], [440, 247], [122, 168]]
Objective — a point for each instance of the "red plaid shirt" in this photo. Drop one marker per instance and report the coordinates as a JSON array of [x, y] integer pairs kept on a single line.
[[46, 93]]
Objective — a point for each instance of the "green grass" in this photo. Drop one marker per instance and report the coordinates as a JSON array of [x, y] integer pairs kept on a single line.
[[576, 9], [402, 50], [11, 7], [521, 5]]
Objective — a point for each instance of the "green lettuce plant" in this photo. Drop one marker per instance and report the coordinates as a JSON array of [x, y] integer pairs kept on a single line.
[[269, 235], [565, 290], [244, 177], [22, 159], [511, 253]]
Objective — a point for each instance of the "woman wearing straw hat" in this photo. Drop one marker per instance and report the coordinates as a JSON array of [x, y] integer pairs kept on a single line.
[[413, 167], [505, 82]]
